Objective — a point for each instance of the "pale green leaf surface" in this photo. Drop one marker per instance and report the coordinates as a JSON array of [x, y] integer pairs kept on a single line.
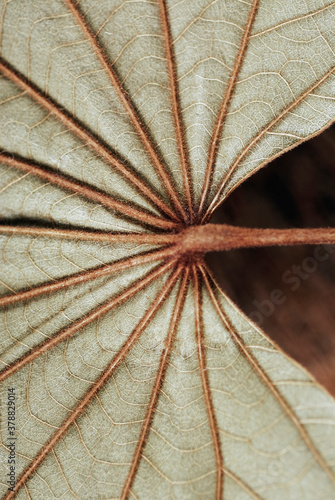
[[279, 65], [45, 140], [243, 397], [274, 426]]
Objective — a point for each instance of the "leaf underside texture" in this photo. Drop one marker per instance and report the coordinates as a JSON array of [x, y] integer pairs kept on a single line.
[[122, 122]]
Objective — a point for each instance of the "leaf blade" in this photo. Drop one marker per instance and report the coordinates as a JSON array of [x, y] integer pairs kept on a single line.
[[206, 407]]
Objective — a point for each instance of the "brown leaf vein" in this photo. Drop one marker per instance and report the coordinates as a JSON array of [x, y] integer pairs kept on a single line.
[[139, 127], [86, 136], [66, 182], [78, 410], [214, 145], [157, 386], [216, 200], [86, 320], [265, 378], [176, 111], [205, 385]]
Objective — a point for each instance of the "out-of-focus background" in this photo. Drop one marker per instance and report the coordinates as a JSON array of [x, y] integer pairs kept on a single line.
[[296, 190]]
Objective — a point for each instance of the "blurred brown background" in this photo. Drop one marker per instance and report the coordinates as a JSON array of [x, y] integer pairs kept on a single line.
[[296, 190]]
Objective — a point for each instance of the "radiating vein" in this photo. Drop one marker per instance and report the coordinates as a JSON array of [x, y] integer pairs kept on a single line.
[[86, 320], [216, 200], [87, 235], [78, 410], [157, 385], [214, 144], [241, 484], [84, 276], [66, 182], [294, 20], [265, 378], [205, 385], [139, 127], [265, 161], [84, 134], [176, 111]]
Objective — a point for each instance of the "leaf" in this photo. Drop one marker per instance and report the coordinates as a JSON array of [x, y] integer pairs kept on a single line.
[[134, 376]]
